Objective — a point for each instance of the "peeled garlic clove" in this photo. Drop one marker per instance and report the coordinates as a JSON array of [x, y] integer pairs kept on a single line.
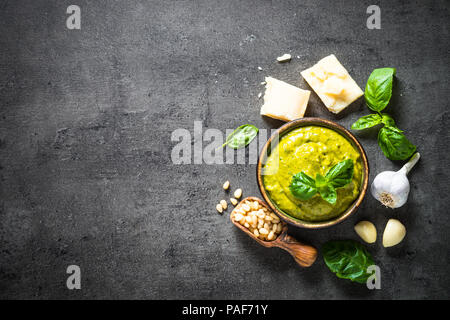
[[367, 231], [394, 233]]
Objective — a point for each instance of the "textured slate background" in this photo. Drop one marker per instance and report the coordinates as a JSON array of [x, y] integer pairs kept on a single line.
[[85, 124]]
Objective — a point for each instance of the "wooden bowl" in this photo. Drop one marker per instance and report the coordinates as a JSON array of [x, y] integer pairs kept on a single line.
[[303, 254], [313, 122]]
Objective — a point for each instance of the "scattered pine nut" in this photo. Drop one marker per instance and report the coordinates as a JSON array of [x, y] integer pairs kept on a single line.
[[224, 204], [226, 185], [233, 201], [219, 208], [238, 193]]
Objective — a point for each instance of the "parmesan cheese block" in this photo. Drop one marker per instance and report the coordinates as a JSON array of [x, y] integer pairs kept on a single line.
[[283, 101], [332, 83]]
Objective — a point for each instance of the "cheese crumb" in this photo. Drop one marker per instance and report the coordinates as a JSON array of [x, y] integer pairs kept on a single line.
[[284, 58], [284, 101], [332, 83]]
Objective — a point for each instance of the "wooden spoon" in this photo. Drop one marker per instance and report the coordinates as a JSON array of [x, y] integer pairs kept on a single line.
[[303, 254]]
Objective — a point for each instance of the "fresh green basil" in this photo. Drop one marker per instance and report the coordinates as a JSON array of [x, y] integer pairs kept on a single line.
[[321, 181], [391, 139], [304, 187], [348, 259], [379, 88], [387, 120], [241, 137], [328, 193], [394, 144], [368, 121], [340, 174]]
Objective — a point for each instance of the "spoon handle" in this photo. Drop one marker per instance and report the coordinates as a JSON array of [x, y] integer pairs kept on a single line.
[[303, 254]]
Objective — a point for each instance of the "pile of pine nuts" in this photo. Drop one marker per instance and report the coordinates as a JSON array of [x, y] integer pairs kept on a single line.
[[258, 219]]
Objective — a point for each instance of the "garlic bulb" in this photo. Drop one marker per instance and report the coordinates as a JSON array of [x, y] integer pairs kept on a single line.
[[392, 188]]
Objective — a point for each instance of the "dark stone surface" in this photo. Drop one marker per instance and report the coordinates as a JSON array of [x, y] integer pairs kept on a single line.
[[85, 144]]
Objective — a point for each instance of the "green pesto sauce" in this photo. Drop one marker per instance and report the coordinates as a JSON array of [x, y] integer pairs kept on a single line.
[[311, 149]]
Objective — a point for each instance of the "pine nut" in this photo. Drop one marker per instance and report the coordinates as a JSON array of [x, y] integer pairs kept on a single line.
[[246, 225], [233, 201], [245, 207], [238, 193], [226, 185], [238, 217], [263, 231], [219, 208], [274, 228], [224, 204], [256, 205], [256, 232], [271, 235], [248, 219], [279, 227]]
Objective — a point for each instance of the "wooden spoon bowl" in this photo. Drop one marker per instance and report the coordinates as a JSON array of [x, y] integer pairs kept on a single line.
[[303, 254]]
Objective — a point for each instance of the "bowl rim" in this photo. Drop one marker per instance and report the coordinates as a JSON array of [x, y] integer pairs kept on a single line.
[[346, 134]]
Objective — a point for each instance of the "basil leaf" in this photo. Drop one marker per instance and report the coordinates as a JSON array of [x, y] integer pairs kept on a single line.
[[395, 129], [379, 88], [328, 193], [241, 137], [387, 120], [347, 259], [303, 186], [340, 174], [367, 121], [394, 144], [320, 181]]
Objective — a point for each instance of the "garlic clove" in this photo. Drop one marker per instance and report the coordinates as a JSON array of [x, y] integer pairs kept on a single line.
[[394, 233], [367, 231]]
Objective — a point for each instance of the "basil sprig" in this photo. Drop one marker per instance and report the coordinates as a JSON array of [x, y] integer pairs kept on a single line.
[[241, 137], [378, 93], [304, 187]]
